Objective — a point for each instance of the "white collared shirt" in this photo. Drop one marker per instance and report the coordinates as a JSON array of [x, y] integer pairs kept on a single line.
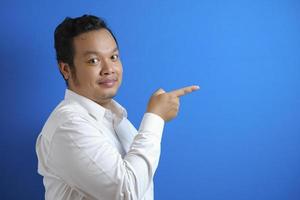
[[88, 152]]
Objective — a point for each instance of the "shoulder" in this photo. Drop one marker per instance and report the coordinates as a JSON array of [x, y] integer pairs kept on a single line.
[[68, 110], [64, 113]]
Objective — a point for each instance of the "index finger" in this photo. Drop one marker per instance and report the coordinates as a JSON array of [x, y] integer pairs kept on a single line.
[[184, 91]]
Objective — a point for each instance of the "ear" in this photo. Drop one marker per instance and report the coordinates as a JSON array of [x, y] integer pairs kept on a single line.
[[65, 70]]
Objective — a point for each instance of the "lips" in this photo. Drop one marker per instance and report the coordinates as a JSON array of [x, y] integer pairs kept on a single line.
[[108, 82]]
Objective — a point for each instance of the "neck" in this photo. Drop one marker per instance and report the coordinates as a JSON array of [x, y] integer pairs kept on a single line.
[[106, 104]]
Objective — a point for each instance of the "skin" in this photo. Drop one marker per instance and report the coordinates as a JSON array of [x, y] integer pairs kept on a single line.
[[98, 69], [166, 104], [98, 74]]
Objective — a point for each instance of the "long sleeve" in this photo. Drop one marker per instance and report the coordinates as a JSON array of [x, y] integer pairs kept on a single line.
[[87, 161]]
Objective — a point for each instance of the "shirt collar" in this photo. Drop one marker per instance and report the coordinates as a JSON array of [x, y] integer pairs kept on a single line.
[[94, 109]]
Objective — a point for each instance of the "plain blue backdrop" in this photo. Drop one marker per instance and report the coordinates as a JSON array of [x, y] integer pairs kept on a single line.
[[237, 138]]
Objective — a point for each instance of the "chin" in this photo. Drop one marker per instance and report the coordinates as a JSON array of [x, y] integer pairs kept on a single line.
[[108, 95]]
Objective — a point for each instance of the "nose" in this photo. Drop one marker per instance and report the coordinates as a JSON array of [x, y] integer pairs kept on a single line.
[[107, 68]]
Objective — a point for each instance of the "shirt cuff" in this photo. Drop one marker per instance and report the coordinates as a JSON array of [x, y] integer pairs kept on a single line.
[[152, 123]]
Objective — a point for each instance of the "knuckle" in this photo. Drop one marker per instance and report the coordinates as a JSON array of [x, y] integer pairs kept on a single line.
[[171, 95]]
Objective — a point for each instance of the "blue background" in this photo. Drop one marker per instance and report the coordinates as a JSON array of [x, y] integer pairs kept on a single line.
[[237, 138]]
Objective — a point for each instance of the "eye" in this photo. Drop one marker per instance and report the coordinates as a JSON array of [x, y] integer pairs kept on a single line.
[[114, 57], [93, 61]]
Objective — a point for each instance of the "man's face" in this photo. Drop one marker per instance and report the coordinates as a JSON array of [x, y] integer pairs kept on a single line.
[[98, 69]]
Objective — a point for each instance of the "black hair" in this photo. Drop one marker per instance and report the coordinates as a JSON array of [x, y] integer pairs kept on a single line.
[[70, 28]]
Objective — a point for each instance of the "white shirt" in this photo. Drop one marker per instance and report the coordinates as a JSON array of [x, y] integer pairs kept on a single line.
[[88, 152]]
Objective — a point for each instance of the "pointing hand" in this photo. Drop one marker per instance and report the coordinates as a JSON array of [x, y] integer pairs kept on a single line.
[[166, 104]]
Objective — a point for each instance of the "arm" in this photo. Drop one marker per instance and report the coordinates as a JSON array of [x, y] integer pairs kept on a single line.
[[85, 160], [88, 162]]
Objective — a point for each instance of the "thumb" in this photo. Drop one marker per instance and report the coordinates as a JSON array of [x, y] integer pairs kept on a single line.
[[158, 92]]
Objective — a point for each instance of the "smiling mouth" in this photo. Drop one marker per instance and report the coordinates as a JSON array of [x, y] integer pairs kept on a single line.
[[108, 83]]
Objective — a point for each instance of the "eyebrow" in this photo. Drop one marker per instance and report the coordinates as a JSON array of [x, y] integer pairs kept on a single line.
[[96, 52]]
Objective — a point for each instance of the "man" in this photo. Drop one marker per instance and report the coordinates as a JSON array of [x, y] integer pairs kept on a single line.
[[88, 149]]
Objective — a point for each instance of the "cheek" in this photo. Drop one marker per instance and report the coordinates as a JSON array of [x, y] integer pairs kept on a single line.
[[120, 70], [89, 75]]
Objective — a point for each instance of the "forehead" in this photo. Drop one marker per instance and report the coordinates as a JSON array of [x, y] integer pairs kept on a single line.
[[100, 41]]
